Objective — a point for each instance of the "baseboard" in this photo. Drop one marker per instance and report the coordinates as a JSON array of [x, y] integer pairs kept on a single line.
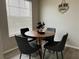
[[72, 46], [7, 51]]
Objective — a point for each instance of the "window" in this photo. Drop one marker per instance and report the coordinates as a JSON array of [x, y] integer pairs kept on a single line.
[[19, 14]]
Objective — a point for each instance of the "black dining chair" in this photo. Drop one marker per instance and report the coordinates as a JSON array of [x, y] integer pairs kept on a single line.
[[25, 47], [58, 47], [23, 30], [51, 38], [51, 29]]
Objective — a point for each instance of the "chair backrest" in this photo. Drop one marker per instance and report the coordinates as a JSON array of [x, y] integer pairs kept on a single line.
[[64, 39], [23, 44], [60, 46], [52, 29], [23, 30], [51, 38]]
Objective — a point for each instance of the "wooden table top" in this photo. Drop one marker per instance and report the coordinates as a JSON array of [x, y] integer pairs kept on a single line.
[[36, 34]]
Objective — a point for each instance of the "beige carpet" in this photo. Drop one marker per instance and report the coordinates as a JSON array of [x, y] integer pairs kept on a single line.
[[69, 53]]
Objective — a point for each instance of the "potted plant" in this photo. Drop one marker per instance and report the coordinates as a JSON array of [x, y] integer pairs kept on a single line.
[[40, 27]]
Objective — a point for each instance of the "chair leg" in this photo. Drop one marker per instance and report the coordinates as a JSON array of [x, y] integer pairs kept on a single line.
[[40, 54], [44, 53], [30, 56], [20, 55], [57, 54], [62, 54]]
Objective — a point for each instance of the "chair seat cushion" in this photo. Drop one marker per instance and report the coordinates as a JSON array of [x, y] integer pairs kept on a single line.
[[32, 50], [51, 46]]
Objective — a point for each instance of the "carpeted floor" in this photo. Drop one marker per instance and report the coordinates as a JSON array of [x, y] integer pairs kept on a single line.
[[69, 53]]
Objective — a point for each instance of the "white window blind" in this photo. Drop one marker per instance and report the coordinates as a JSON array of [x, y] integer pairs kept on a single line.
[[19, 14]]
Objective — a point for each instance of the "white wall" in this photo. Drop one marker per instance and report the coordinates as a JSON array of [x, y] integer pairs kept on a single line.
[[1, 47], [68, 22], [1, 44], [35, 13], [3, 26]]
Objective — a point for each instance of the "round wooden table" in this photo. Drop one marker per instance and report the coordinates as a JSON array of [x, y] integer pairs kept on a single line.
[[39, 37]]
